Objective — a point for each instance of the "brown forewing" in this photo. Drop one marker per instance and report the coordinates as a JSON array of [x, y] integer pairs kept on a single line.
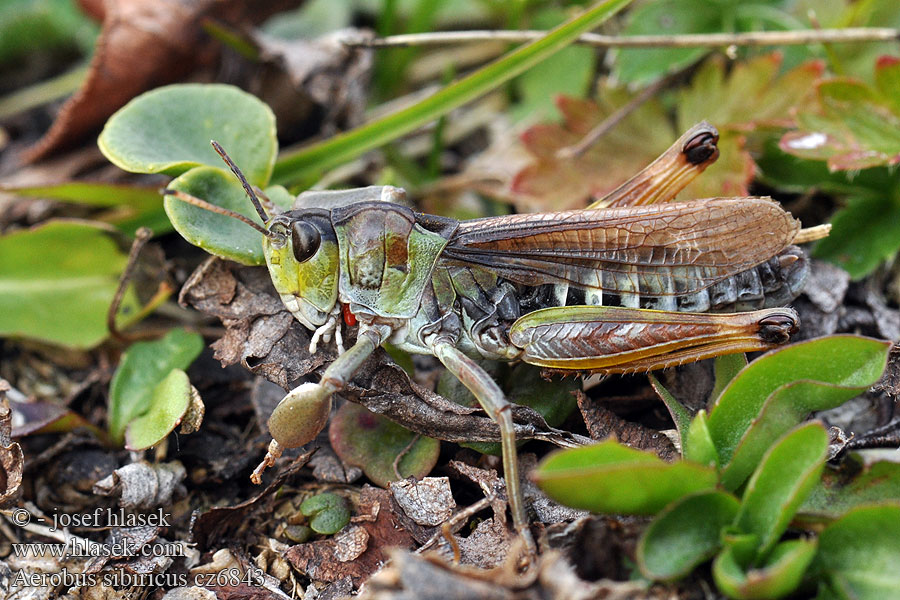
[[699, 243]]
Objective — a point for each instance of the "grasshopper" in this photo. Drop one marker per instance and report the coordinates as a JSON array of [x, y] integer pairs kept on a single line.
[[631, 283]]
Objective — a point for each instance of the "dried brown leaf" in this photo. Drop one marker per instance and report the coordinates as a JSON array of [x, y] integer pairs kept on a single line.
[[325, 72], [143, 44], [428, 502], [603, 423]]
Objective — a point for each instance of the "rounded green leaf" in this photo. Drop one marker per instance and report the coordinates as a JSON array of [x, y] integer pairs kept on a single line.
[[777, 578], [220, 235], [774, 393], [143, 366], [685, 534], [169, 400], [611, 478], [859, 554], [786, 475], [57, 282], [168, 130], [373, 443], [329, 513]]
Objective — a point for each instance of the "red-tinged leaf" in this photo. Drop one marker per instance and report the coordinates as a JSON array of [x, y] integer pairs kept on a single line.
[[851, 125], [750, 95], [552, 182]]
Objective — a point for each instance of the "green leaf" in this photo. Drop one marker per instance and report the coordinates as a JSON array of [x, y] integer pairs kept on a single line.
[[168, 402], [665, 17], [133, 206], [143, 366], [569, 72], [775, 392], [864, 234], [685, 534], [853, 485], [859, 555], [57, 282], [371, 442], [220, 235], [697, 444], [168, 130], [30, 26], [777, 578], [726, 368], [311, 161], [859, 241], [611, 478], [329, 513], [788, 472]]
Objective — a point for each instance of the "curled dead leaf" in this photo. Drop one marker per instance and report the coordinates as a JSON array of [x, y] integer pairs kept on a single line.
[[144, 485], [143, 44]]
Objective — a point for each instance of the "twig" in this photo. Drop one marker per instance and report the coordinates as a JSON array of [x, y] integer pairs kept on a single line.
[[141, 237], [688, 40]]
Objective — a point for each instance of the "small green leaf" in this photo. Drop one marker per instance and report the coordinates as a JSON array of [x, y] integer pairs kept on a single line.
[[168, 401], [371, 442], [143, 366], [697, 444], [685, 534], [168, 130], [859, 555], [220, 235], [775, 392], [788, 472], [57, 282], [680, 415], [777, 578], [329, 513], [611, 478], [855, 484]]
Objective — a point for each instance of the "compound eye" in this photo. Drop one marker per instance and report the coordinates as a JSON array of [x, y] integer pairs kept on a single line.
[[305, 239]]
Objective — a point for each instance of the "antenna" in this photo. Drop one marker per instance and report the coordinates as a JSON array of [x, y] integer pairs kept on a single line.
[[218, 209], [237, 173]]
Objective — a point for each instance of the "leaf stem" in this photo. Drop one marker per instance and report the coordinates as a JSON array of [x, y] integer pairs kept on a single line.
[[313, 160], [690, 40]]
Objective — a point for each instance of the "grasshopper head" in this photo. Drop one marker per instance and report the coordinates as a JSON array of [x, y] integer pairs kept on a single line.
[[303, 260]]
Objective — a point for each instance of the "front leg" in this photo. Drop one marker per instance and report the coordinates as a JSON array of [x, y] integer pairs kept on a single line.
[[495, 404], [303, 412]]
